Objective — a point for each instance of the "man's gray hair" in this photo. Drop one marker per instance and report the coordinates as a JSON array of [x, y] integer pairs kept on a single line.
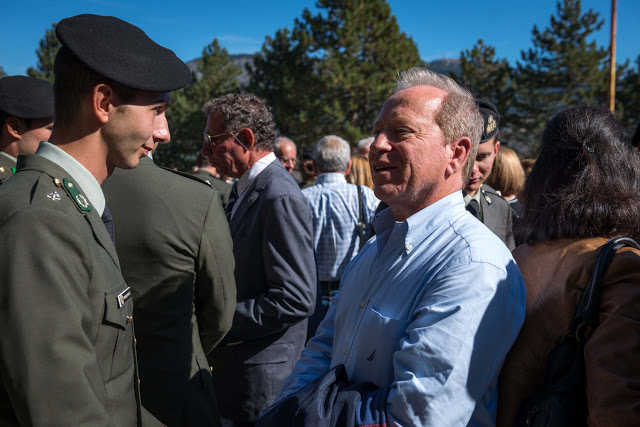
[[458, 115], [245, 110], [331, 154], [365, 143], [282, 140]]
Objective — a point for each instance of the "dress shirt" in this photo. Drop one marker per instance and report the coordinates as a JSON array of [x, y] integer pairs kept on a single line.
[[249, 176], [426, 311], [8, 156], [476, 197], [334, 206], [83, 177]]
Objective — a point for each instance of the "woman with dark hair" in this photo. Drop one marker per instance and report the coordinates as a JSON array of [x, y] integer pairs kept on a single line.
[[583, 190]]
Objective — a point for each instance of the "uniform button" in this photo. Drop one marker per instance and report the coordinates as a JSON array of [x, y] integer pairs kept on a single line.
[[129, 319], [362, 304], [210, 368], [138, 382], [135, 342], [344, 351], [409, 247]]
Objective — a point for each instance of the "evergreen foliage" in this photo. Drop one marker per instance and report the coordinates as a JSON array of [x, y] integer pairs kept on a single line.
[[2, 72], [46, 53], [564, 67], [342, 62], [185, 116]]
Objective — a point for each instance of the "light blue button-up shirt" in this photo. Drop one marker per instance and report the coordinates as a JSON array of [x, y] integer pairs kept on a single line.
[[427, 311], [335, 211]]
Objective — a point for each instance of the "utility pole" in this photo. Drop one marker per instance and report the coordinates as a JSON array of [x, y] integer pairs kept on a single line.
[[612, 57]]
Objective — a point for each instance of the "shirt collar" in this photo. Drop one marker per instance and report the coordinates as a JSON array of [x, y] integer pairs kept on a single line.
[[330, 177], [79, 173], [421, 224], [9, 156], [249, 176]]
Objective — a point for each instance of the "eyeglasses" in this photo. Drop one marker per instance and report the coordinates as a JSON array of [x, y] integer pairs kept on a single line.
[[284, 160], [210, 139]]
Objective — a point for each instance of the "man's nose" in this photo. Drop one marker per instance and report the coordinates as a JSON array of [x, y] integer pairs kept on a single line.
[[161, 134]]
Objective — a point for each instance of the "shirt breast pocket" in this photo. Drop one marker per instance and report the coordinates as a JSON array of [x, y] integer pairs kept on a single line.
[[114, 340], [378, 339]]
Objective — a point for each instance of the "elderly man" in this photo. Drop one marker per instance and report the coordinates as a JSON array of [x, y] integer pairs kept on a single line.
[[275, 269], [26, 118], [286, 151], [67, 342], [429, 308], [342, 212], [482, 201], [175, 251]]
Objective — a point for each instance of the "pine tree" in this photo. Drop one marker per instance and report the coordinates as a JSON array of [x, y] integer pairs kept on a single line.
[[2, 72], [628, 96], [46, 53], [344, 60], [185, 117], [487, 77], [564, 67]]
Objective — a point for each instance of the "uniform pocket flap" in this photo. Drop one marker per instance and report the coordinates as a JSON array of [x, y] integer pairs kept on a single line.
[[118, 306], [271, 354]]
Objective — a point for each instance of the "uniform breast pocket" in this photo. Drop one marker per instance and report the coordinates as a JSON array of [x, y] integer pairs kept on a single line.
[[114, 340]]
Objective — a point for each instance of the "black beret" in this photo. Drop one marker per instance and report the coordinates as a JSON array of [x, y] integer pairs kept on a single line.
[[491, 119], [123, 53], [26, 97]]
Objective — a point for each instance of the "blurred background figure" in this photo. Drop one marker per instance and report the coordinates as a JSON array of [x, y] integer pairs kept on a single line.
[[635, 140], [305, 167], [286, 151], [209, 174], [582, 191], [507, 177], [360, 172], [26, 118], [527, 165]]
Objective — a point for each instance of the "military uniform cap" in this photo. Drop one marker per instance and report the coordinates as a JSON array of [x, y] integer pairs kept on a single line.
[[122, 52], [491, 119], [26, 97]]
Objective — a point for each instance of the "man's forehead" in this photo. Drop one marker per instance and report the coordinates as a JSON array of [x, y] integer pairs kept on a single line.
[[420, 99]]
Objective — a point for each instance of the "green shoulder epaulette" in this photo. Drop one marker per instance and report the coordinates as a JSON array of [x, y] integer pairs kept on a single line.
[[72, 190]]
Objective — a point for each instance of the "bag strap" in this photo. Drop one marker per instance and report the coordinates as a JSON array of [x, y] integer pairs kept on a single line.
[[588, 311], [361, 223]]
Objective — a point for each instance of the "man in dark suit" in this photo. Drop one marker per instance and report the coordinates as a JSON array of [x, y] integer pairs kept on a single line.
[[481, 200], [175, 250], [67, 344], [275, 272], [208, 174]]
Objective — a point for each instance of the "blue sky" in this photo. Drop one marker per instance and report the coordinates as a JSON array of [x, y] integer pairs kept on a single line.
[[440, 28]]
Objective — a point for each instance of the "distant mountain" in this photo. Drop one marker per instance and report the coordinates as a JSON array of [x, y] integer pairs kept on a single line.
[[443, 66]]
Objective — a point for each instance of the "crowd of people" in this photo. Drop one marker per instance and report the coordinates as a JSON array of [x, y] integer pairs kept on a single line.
[[418, 280]]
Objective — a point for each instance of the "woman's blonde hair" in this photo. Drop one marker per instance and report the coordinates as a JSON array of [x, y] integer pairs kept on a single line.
[[507, 175], [360, 173]]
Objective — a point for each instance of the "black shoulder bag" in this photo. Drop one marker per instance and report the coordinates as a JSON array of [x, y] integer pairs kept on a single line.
[[562, 400], [361, 224]]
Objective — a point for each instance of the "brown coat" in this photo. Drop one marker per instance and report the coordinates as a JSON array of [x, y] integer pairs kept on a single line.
[[555, 275]]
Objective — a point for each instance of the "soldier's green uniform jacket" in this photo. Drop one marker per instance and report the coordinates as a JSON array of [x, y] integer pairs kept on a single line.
[[220, 185], [67, 346], [7, 167], [175, 247], [496, 215]]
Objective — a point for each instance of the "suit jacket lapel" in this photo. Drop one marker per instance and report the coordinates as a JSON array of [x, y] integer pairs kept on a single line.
[[102, 236], [250, 196]]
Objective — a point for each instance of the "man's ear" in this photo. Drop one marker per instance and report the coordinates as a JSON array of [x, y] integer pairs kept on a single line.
[[459, 153], [346, 171], [102, 102], [16, 126], [248, 138]]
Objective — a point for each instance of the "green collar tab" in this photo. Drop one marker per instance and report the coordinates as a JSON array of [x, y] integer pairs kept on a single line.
[[81, 200], [13, 171]]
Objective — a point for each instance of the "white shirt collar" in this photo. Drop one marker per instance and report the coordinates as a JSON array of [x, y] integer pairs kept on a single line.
[[79, 173], [249, 176], [9, 156]]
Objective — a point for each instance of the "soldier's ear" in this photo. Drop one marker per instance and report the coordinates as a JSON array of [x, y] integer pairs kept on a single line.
[[496, 147], [16, 126], [102, 102]]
